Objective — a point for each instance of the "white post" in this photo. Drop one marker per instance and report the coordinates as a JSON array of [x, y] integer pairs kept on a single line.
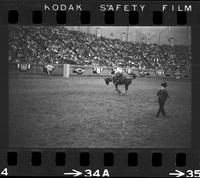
[[66, 70]]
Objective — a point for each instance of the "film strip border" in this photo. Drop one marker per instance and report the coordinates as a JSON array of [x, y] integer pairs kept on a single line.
[[118, 163], [108, 162], [117, 13]]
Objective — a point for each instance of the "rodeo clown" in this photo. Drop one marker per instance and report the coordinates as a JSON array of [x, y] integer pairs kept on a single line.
[[162, 97]]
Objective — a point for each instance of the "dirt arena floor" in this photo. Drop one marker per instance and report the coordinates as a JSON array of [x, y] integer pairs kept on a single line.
[[82, 112]]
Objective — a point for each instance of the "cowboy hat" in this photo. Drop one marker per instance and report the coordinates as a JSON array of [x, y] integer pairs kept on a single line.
[[164, 84]]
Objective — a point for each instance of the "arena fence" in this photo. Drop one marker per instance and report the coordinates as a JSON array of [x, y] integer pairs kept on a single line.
[[67, 70]]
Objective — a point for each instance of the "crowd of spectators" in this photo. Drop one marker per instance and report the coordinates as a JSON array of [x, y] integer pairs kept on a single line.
[[60, 45]]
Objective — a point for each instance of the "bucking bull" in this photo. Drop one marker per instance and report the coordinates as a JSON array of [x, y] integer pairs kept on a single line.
[[120, 79]]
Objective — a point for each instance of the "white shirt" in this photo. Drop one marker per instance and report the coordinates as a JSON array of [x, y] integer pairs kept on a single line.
[[119, 70]]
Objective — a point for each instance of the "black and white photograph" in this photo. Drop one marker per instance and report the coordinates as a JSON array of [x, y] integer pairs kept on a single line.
[[100, 86]]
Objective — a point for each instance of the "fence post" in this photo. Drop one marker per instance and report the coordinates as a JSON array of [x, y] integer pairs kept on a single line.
[[66, 70]]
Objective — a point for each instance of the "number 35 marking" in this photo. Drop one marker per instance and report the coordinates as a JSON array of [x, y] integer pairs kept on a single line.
[[193, 173]]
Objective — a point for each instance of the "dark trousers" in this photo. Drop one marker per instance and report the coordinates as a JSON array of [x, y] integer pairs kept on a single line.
[[161, 108]]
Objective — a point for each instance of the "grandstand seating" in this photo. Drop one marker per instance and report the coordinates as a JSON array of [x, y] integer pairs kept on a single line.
[[59, 45]]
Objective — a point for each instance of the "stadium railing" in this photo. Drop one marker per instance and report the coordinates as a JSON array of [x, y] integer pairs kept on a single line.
[[38, 69]]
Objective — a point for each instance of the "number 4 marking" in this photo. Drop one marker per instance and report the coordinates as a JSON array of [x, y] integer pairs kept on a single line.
[[4, 172]]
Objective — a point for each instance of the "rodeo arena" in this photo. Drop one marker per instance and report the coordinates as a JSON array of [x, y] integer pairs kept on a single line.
[[99, 87]]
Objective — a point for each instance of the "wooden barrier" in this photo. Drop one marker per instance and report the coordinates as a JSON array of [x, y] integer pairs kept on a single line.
[[66, 71]]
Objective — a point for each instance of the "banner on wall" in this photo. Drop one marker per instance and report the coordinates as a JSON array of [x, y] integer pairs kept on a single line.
[[160, 71], [97, 70], [177, 74], [23, 66], [78, 71]]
